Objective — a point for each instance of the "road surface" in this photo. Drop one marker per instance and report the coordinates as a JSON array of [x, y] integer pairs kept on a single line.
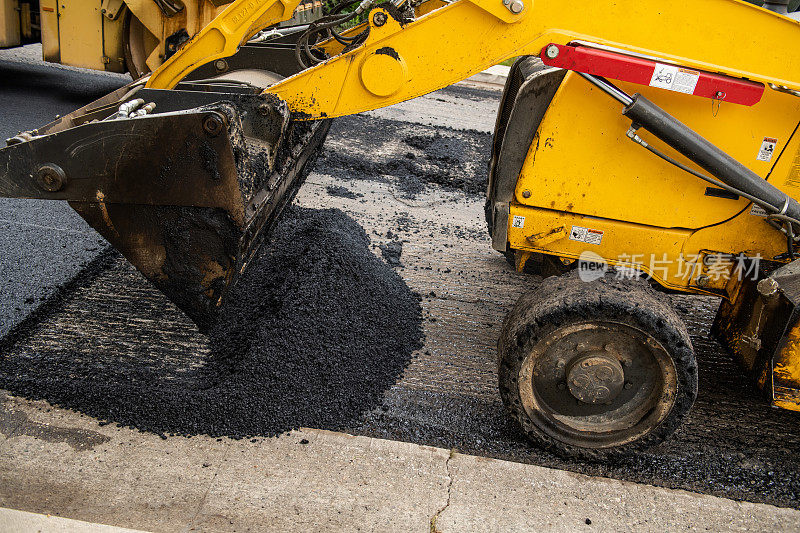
[[74, 361]]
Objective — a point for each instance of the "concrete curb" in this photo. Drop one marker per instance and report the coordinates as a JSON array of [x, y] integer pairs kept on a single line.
[[317, 480]]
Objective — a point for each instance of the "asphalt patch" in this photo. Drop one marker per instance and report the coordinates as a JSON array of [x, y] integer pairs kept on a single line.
[[391, 252], [342, 192], [315, 332], [412, 157]]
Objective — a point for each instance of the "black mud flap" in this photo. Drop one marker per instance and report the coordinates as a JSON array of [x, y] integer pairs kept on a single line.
[[186, 194]]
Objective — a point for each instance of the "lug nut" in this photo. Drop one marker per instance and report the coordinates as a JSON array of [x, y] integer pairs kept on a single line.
[[379, 18], [221, 65], [552, 51]]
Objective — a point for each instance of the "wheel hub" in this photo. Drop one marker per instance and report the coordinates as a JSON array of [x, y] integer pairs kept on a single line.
[[595, 378]]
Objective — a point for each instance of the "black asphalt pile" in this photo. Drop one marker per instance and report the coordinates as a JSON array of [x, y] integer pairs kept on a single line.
[[412, 156], [342, 192], [313, 335]]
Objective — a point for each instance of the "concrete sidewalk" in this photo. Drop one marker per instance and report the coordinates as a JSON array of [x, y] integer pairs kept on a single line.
[[314, 480]]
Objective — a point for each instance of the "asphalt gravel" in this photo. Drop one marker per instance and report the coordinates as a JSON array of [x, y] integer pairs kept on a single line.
[[342, 192], [391, 252], [314, 333]]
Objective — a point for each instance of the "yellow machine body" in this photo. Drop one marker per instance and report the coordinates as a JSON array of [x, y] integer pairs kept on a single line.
[[101, 35], [582, 170], [586, 192]]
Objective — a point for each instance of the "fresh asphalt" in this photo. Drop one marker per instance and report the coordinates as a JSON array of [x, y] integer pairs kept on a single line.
[[43, 244]]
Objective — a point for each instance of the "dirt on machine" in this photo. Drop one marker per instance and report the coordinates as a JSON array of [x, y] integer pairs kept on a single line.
[[626, 163]]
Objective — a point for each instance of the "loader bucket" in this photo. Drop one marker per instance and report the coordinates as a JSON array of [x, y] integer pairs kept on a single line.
[[187, 193]]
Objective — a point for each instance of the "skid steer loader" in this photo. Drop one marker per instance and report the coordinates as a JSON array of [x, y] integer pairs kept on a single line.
[[633, 137]]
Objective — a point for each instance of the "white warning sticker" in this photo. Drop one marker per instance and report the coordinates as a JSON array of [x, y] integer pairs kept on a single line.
[[758, 211], [587, 235], [674, 78], [518, 222], [767, 149]]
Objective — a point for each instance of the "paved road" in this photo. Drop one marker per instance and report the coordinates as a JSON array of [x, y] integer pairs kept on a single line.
[[411, 188], [43, 243]]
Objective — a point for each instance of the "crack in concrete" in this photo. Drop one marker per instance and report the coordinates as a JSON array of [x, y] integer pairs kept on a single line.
[[193, 522], [436, 516]]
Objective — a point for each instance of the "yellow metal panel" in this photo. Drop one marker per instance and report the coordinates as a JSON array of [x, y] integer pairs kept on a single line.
[[653, 250], [747, 233], [581, 160], [786, 174], [80, 28], [113, 53], [786, 373], [678, 259], [9, 23], [50, 44]]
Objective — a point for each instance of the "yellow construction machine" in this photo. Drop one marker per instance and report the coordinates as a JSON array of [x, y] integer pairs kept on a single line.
[[134, 36], [638, 145]]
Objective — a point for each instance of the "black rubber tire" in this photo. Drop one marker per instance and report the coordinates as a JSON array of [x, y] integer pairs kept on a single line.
[[567, 300], [133, 45]]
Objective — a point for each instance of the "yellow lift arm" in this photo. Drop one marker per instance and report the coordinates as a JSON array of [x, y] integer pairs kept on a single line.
[[399, 62]]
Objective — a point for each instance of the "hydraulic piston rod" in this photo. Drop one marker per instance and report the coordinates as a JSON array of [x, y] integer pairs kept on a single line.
[[696, 148]]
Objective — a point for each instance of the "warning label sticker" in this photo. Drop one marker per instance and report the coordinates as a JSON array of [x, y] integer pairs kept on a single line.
[[674, 78], [587, 235], [767, 149], [793, 179], [518, 222]]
